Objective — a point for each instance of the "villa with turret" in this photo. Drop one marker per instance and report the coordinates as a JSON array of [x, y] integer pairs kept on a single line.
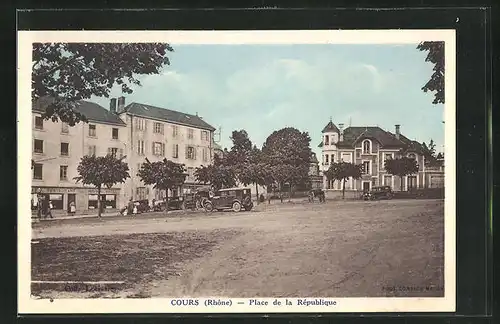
[[370, 146]]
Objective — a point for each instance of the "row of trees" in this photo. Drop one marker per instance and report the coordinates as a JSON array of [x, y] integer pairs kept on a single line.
[[106, 171], [343, 171], [283, 159]]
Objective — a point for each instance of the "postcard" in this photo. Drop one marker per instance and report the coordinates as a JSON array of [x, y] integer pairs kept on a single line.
[[236, 171]]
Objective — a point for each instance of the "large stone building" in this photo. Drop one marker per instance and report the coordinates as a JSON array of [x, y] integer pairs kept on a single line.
[[156, 133], [57, 149], [371, 146]]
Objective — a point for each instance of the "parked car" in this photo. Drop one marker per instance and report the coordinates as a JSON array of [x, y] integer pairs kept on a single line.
[[313, 193], [383, 192], [141, 205], [230, 198], [174, 203]]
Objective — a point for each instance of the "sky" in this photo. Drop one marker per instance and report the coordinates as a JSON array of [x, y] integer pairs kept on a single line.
[[262, 88]]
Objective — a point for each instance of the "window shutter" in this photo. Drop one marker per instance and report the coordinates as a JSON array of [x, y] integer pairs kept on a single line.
[[90, 150], [121, 153], [153, 148], [187, 153], [194, 153], [163, 149], [109, 150]]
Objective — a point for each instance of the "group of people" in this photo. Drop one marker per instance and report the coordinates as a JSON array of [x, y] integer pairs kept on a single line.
[[43, 206]]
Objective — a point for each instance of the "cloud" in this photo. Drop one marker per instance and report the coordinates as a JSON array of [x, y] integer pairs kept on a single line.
[[283, 90]]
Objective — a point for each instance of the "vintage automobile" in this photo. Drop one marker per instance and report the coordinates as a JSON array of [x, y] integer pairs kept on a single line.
[[383, 192], [319, 193], [142, 206], [230, 198]]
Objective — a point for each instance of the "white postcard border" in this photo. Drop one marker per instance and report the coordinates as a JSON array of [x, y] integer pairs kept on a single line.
[[28, 305]]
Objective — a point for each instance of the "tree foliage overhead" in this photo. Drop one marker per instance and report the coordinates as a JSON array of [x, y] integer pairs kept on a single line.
[[101, 171], [219, 174], [342, 171], [435, 55], [76, 71]]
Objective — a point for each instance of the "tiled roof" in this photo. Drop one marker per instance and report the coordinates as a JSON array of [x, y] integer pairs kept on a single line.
[[355, 134], [387, 139], [91, 110], [330, 127], [167, 115]]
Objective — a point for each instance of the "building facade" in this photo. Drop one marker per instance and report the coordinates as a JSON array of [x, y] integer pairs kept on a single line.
[[370, 147], [156, 133], [57, 149]]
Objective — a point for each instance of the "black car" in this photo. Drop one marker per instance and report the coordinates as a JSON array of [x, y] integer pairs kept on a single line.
[[382, 192], [313, 193]]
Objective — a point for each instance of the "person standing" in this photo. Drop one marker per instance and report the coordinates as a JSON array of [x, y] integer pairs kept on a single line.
[[50, 209], [72, 208]]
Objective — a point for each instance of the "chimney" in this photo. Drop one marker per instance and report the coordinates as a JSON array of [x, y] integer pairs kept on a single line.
[[121, 104], [341, 130], [112, 105], [397, 131]]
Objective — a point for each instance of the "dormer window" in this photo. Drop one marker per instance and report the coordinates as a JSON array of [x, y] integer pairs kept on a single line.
[[367, 146], [412, 156], [327, 140]]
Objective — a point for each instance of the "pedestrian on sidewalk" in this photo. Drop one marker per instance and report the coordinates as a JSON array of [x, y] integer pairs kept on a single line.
[[72, 208], [49, 210]]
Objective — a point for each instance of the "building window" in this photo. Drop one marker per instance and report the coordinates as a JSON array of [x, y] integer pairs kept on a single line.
[[366, 167], [175, 130], [175, 151], [190, 173], [358, 153], [92, 130], [63, 172], [113, 151], [327, 140], [190, 134], [158, 128], [367, 146], [387, 156], [190, 153], [64, 128], [38, 171], [65, 149], [204, 135], [140, 124], [56, 200], [158, 149], [114, 133], [92, 150], [140, 147], [332, 159], [141, 193], [205, 154], [346, 157], [387, 180], [38, 122], [412, 156], [38, 146], [326, 159]]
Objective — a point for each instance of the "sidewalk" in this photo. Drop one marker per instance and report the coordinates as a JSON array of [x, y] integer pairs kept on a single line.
[[35, 218]]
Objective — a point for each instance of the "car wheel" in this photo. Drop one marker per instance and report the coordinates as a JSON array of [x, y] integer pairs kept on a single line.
[[208, 207], [389, 196], [236, 206], [249, 207]]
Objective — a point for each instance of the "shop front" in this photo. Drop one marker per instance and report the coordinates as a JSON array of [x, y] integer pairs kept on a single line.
[[84, 200]]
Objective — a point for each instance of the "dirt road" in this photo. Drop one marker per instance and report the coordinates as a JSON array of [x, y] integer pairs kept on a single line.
[[345, 249]]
